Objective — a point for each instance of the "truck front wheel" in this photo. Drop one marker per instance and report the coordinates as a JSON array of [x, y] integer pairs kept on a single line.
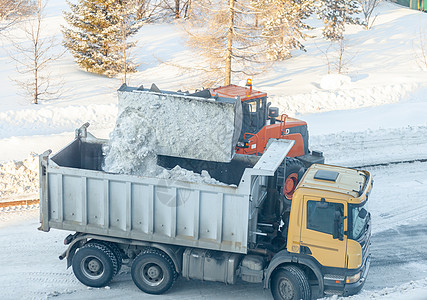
[[290, 283], [94, 265], [153, 272]]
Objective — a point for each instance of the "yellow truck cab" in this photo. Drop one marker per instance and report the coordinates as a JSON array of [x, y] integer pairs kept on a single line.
[[330, 226]]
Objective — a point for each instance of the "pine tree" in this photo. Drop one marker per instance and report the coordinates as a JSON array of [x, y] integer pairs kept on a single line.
[[98, 34], [282, 23], [335, 14]]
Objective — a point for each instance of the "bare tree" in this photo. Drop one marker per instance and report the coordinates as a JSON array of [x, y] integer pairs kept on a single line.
[[368, 7], [128, 26], [12, 10], [179, 8], [147, 10], [420, 47], [34, 54], [337, 56], [225, 34]]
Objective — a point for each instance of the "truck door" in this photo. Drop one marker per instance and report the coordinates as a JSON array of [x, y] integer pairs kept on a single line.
[[317, 231]]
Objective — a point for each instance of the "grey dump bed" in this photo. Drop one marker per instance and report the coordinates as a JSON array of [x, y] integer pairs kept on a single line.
[[76, 195]]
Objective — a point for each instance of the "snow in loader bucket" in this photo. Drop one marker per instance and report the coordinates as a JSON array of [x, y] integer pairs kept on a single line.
[[195, 126]]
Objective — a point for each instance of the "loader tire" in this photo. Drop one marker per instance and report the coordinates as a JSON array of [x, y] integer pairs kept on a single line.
[[290, 283], [94, 265], [289, 175], [153, 272]]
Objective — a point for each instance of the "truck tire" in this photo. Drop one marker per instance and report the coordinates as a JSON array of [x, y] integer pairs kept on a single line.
[[289, 175], [153, 272], [94, 264], [290, 283], [115, 249]]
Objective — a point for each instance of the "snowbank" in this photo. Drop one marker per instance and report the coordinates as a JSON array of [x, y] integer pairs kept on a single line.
[[334, 81], [342, 99], [19, 178]]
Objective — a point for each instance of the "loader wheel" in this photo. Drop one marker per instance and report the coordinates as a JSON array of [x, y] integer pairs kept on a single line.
[[290, 283], [153, 272], [294, 169], [94, 265]]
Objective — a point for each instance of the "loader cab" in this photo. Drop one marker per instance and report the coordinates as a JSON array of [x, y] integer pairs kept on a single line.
[[254, 106]]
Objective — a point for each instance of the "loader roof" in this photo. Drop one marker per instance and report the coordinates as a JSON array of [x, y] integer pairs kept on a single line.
[[233, 91]]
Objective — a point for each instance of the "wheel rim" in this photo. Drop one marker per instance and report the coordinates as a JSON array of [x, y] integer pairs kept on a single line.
[[290, 185], [286, 289], [92, 267], [152, 274]]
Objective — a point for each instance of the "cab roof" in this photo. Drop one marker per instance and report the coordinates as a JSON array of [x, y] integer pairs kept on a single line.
[[233, 91], [336, 179]]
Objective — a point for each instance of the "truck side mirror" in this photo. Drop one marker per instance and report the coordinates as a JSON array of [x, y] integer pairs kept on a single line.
[[338, 232], [362, 213]]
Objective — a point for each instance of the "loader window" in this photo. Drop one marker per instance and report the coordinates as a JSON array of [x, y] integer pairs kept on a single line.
[[320, 215]]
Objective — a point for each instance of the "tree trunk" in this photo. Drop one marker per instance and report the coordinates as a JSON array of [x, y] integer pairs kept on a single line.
[[36, 91], [229, 50], [177, 13]]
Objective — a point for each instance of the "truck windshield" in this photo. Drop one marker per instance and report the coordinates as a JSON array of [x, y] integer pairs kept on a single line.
[[359, 217]]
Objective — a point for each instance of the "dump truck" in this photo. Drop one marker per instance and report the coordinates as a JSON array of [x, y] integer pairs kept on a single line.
[[235, 120], [318, 243]]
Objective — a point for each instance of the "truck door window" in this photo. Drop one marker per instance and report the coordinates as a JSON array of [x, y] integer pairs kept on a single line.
[[320, 215]]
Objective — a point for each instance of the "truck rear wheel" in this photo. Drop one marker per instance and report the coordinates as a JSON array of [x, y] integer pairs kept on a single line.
[[290, 283], [153, 272], [115, 249], [289, 175], [94, 265]]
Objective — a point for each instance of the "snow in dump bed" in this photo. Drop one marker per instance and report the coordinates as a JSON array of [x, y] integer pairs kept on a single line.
[[132, 149]]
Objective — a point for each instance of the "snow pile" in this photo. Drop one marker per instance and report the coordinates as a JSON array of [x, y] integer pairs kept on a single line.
[[334, 81], [179, 173], [132, 149], [342, 99], [19, 178], [186, 126], [51, 119], [372, 146]]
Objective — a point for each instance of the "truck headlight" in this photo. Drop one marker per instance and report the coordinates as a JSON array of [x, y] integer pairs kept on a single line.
[[353, 278]]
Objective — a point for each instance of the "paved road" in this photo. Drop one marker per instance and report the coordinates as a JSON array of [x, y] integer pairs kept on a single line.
[[398, 255]]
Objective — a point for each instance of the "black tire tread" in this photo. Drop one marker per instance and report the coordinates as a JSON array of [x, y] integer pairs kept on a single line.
[[288, 164], [301, 279], [169, 262], [115, 249], [109, 253]]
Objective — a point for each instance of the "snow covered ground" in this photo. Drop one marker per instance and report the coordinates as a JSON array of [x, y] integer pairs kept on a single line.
[[376, 113], [31, 268]]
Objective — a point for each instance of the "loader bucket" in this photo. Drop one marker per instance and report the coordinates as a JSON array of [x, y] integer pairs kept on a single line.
[[195, 126]]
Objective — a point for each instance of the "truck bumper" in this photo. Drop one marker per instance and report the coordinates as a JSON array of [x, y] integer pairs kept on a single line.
[[354, 288]]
